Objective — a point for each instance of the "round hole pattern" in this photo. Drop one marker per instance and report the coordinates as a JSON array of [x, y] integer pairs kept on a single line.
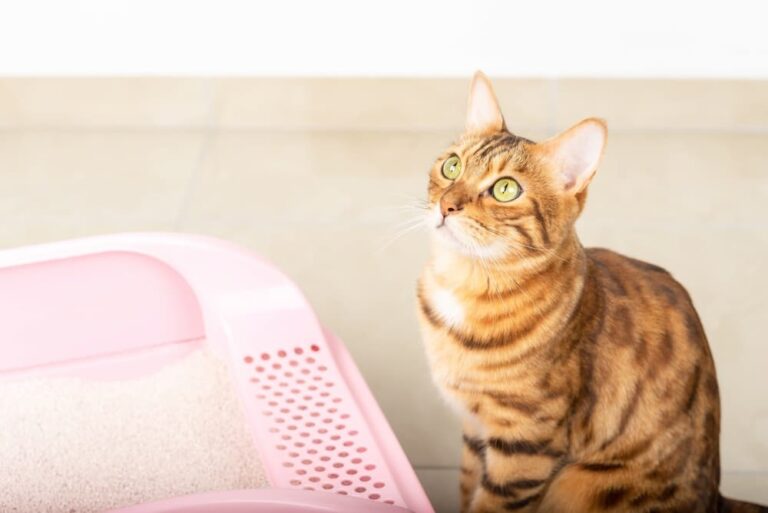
[[301, 402]]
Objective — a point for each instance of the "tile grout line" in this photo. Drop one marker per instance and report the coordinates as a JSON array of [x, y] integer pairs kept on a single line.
[[193, 178], [210, 127], [553, 91]]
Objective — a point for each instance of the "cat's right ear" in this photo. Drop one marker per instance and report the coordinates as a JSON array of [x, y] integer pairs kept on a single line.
[[577, 152], [483, 112]]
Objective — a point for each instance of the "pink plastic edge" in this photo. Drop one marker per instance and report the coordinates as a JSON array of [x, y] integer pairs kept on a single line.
[[407, 480], [169, 248], [266, 500]]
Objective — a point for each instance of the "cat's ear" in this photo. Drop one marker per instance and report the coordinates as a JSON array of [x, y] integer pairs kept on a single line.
[[577, 152], [483, 112]]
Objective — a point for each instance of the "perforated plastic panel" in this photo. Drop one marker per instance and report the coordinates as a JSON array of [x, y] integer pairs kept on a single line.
[[315, 426]]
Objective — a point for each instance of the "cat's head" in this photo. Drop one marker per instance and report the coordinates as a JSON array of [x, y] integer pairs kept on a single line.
[[494, 195]]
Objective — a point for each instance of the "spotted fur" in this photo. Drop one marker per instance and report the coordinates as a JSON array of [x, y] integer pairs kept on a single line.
[[584, 377]]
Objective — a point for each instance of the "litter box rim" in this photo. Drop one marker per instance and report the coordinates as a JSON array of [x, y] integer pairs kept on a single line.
[[265, 500]]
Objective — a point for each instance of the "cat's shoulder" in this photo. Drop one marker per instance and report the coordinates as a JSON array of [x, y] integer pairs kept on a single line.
[[605, 257], [625, 274]]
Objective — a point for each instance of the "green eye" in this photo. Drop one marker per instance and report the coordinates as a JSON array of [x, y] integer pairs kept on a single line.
[[505, 190], [452, 168]]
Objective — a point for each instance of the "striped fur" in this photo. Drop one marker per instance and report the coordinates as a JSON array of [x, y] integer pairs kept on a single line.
[[584, 377]]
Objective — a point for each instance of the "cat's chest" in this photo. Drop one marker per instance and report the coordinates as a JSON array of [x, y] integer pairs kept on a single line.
[[473, 379], [481, 391], [449, 306], [449, 321]]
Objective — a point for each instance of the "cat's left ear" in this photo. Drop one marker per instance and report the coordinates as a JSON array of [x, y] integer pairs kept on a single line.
[[577, 152]]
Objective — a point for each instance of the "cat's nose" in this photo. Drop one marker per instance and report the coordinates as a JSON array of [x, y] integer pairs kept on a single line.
[[449, 206]]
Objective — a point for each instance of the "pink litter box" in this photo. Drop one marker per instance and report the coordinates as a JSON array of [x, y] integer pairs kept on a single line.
[[123, 306]]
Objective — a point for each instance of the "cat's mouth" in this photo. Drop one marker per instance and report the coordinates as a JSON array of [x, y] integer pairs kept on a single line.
[[449, 232], [440, 224], [445, 231]]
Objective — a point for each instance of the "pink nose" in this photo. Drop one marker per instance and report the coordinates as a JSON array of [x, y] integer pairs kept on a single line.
[[448, 206]]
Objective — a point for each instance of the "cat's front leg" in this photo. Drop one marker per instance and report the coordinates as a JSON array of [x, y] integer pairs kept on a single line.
[[472, 455], [515, 473]]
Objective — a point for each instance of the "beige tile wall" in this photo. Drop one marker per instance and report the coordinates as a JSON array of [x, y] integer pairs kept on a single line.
[[315, 174]]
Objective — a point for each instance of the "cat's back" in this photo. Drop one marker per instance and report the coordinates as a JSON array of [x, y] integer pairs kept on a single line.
[[651, 333], [646, 304], [652, 343], [646, 288]]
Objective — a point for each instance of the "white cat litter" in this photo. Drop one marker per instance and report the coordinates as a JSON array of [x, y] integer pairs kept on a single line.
[[75, 446]]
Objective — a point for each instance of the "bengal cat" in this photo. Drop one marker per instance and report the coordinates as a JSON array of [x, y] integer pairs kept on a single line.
[[583, 377]]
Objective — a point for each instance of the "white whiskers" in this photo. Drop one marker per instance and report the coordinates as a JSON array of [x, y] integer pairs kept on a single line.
[[418, 207]]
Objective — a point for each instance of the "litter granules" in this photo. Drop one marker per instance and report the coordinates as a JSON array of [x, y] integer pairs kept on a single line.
[[77, 446]]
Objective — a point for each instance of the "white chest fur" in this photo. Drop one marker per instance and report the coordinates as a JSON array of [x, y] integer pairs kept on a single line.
[[447, 306]]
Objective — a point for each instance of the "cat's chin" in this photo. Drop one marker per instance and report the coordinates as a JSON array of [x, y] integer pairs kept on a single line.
[[449, 241]]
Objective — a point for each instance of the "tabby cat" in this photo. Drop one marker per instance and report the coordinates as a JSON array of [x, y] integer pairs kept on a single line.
[[583, 377]]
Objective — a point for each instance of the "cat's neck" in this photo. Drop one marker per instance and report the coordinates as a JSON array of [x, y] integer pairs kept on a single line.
[[530, 300], [470, 276]]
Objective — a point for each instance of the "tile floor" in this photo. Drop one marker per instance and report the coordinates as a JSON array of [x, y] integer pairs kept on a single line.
[[316, 174]]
